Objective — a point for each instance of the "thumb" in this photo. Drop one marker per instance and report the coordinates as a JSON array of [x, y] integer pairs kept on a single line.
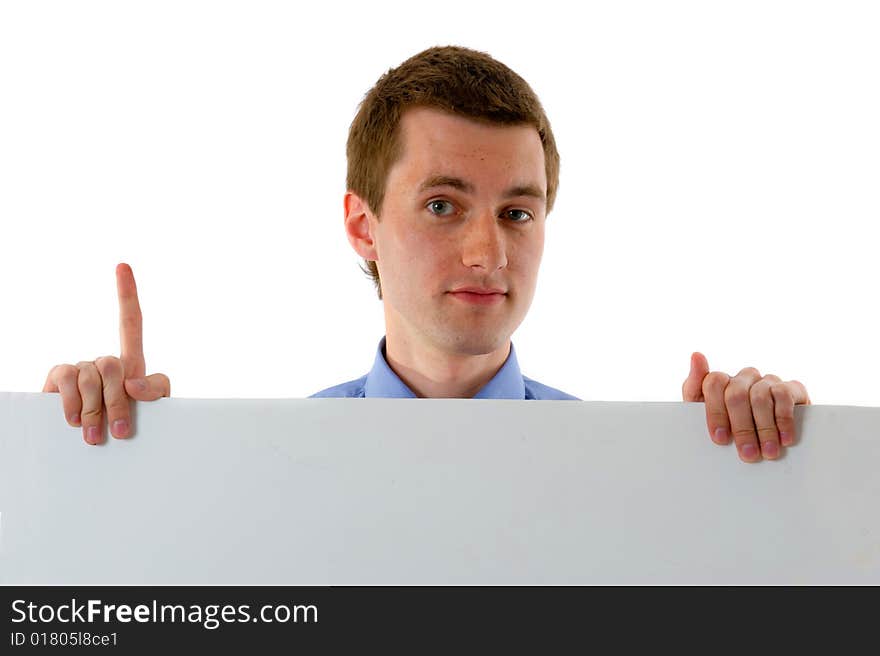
[[148, 389], [692, 388]]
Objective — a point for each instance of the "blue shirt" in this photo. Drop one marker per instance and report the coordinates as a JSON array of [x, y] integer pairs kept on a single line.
[[382, 382]]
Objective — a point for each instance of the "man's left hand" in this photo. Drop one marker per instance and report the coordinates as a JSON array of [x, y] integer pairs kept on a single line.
[[758, 411]]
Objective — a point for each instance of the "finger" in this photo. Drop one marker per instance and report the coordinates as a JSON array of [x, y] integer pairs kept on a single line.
[[90, 389], [51, 385], [149, 388], [764, 415], [717, 420], [131, 332], [62, 379], [785, 397], [115, 399], [739, 411], [692, 389]]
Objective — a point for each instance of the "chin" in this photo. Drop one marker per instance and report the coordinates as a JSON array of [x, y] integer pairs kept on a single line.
[[476, 343]]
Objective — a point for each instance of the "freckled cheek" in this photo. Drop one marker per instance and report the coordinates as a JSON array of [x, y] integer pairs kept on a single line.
[[524, 256], [426, 261], [523, 265]]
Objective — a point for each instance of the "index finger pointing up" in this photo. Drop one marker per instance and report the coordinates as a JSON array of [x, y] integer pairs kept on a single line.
[[131, 332]]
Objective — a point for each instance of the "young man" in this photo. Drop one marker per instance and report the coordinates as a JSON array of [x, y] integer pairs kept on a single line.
[[452, 171]]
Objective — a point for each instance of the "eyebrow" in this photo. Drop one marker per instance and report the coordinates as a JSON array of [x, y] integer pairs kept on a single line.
[[457, 183]]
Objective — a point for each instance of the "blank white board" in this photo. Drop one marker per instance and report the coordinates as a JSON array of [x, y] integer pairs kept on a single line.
[[432, 491]]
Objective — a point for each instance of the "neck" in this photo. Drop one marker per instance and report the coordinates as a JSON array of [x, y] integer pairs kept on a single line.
[[434, 373]]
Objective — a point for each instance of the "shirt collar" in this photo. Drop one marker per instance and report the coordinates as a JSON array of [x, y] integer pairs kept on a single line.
[[382, 382]]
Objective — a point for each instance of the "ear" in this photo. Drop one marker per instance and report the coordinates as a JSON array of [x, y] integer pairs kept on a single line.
[[358, 228]]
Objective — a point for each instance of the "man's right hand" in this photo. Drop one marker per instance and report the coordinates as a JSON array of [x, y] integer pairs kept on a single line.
[[110, 381]]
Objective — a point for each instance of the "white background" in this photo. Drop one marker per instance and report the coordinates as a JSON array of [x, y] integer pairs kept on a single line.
[[718, 191]]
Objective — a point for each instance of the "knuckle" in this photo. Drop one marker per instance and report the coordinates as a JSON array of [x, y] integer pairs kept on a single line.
[[93, 415], [749, 371], [784, 412], [108, 364], [736, 395], [117, 406], [65, 369], [64, 373], [131, 323], [743, 432], [782, 394], [760, 392], [770, 431], [89, 376], [715, 381]]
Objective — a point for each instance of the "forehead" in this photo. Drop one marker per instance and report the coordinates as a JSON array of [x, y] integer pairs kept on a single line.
[[434, 140]]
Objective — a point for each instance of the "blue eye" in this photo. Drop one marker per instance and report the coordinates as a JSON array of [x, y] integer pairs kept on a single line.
[[434, 203], [435, 207], [526, 216]]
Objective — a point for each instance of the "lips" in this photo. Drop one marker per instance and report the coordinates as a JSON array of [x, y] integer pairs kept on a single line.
[[480, 297], [478, 290]]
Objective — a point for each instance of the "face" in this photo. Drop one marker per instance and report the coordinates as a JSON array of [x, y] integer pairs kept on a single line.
[[464, 207]]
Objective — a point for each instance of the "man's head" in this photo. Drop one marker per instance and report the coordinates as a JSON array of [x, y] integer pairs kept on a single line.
[[458, 80], [452, 170]]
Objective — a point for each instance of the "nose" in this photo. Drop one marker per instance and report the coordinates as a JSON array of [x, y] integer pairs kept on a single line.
[[484, 243]]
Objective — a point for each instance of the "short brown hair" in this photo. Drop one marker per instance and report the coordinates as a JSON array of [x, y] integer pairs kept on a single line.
[[451, 78]]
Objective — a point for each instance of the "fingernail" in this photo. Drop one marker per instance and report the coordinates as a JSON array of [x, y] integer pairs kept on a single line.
[[93, 435], [786, 438], [721, 436], [74, 419], [140, 383], [120, 428], [770, 449], [749, 451]]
